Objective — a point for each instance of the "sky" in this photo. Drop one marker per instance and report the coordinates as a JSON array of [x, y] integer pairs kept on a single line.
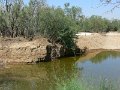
[[89, 7]]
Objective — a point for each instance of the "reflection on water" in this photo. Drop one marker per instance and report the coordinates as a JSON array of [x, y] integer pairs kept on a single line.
[[104, 55], [96, 73], [43, 76]]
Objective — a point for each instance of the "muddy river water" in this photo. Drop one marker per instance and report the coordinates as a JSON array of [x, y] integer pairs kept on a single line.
[[98, 72]]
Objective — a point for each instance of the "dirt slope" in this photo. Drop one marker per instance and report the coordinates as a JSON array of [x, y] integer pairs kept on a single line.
[[22, 50], [100, 41]]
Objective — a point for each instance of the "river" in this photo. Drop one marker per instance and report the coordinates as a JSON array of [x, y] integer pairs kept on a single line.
[[98, 72]]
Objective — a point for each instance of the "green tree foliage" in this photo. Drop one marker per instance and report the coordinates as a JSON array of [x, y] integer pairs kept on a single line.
[[57, 24], [73, 12], [37, 18], [99, 24]]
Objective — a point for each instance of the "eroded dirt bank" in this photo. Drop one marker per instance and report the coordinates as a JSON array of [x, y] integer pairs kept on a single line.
[[20, 50], [109, 41]]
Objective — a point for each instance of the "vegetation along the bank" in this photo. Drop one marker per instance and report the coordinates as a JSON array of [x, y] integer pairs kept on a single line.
[[57, 24]]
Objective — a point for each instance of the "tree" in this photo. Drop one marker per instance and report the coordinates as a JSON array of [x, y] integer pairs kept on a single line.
[[57, 24], [114, 3], [57, 27], [74, 12]]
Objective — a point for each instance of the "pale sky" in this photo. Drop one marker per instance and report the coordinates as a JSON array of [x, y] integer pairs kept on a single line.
[[89, 7]]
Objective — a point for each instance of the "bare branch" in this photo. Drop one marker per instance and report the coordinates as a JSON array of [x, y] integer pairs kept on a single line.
[[114, 3]]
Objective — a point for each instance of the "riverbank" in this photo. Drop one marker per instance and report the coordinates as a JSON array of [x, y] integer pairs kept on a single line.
[[98, 41], [20, 50]]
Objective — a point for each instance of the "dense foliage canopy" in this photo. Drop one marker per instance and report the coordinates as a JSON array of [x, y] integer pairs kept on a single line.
[[55, 23]]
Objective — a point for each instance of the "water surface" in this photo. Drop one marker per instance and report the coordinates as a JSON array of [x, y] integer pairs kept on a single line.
[[101, 72]]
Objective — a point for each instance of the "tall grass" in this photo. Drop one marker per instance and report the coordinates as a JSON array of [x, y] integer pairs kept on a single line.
[[81, 84]]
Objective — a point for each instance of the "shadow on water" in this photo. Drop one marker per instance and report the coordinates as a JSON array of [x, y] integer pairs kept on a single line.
[[62, 74]]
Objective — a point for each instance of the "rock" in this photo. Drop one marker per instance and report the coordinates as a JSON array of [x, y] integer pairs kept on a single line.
[[53, 52]]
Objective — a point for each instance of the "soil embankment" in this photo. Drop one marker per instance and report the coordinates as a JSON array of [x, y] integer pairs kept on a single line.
[[20, 50], [109, 41]]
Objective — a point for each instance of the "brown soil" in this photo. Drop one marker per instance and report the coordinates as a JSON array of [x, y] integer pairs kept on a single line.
[[109, 41], [20, 50]]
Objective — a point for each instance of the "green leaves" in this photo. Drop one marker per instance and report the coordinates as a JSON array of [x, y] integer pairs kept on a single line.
[[56, 26], [99, 24]]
